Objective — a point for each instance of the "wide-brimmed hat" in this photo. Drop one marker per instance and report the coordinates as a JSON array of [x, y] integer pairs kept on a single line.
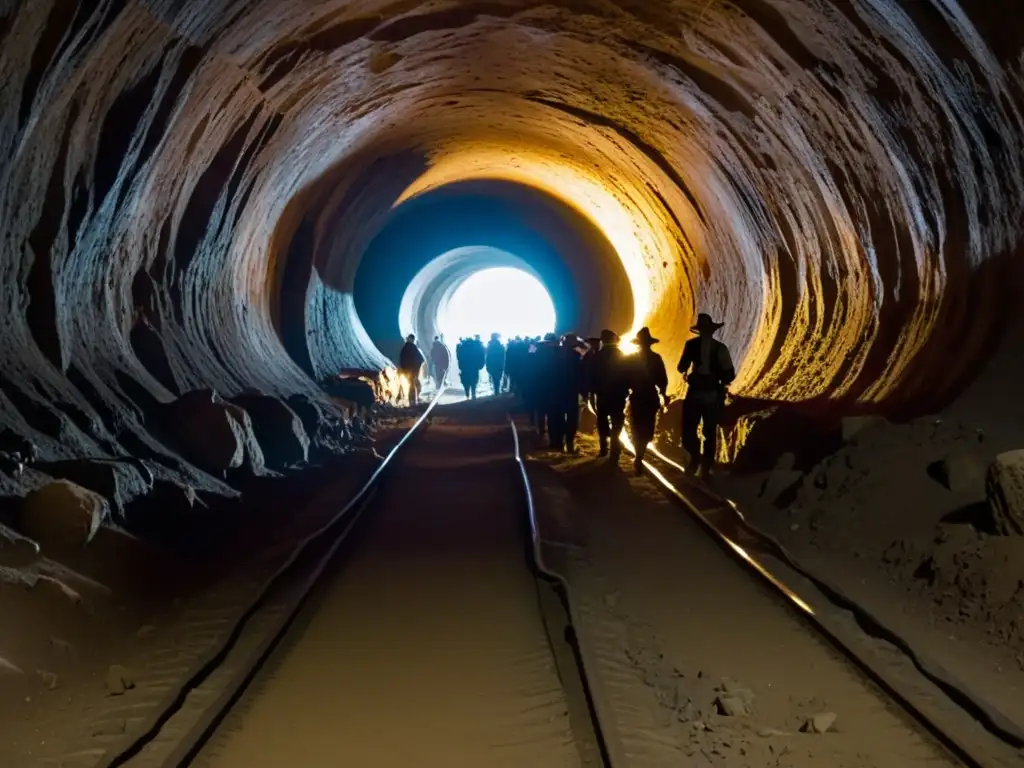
[[609, 337], [705, 323], [644, 337]]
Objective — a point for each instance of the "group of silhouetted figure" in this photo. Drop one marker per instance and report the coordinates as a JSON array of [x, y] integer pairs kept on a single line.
[[554, 377]]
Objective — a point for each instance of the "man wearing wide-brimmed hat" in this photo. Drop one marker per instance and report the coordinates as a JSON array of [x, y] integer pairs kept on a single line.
[[648, 385], [708, 369]]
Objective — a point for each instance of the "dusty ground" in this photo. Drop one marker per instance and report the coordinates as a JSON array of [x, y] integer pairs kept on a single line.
[[683, 632], [71, 623], [427, 647], [876, 519]]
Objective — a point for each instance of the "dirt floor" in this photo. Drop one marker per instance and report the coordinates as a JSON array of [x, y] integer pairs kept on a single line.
[[702, 664], [86, 638], [879, 519], [427, 647]]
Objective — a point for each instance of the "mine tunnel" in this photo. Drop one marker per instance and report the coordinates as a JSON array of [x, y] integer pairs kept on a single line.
[[227, 538]]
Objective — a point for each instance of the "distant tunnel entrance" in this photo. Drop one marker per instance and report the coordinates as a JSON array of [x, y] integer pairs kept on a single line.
[[477, 290]]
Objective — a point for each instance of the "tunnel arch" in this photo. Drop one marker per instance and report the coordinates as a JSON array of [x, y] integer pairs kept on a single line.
[[190, 188], [436, 284], [449, 229]]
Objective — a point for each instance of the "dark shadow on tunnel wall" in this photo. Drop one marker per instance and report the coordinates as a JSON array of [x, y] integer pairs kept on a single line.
[[983, 305], [569, 253], [327, 225]]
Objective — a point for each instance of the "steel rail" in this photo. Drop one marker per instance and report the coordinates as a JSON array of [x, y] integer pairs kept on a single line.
[[338, 526], [613, 753], [962, 752]]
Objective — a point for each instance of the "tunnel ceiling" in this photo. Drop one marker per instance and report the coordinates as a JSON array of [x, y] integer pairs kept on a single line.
[[189, 188]]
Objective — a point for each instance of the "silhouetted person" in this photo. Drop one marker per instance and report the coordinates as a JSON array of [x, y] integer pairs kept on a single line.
[[648, 383], [515, 354], [708, 369], [610, 386], [529, 384], [588, 393], [495, 362], [470, 356], [460, 362], [441, 360], [544, 363], [469, 375], [410, 361], [565, 382]]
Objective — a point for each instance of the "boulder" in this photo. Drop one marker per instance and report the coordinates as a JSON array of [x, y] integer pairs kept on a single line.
[[119, 680], [277, 428], [731, 706], [212, 433], [734, 700], [819, 723], [62, 516], [962, 472], [1004, 487], [120, 481]]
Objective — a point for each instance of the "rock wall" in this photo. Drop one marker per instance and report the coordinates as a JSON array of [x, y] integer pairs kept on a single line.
[[187, 187]]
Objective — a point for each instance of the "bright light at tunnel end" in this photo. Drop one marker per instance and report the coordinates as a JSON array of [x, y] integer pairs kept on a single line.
[[502, 300]]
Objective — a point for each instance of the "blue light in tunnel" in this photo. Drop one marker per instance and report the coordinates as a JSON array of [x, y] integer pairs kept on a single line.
[[502, 300]]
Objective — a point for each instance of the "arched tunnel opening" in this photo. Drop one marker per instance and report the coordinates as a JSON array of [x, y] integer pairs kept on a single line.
[[213, 210], [451, 301], [446, 234]]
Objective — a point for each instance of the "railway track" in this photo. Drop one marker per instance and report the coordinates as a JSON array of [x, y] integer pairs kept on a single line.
[[358, 633], [971, 731], [423, 611]]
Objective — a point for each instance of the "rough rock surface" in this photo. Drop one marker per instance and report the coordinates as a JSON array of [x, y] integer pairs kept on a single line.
[[1005, 486], [180, 214], [190, 190]]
